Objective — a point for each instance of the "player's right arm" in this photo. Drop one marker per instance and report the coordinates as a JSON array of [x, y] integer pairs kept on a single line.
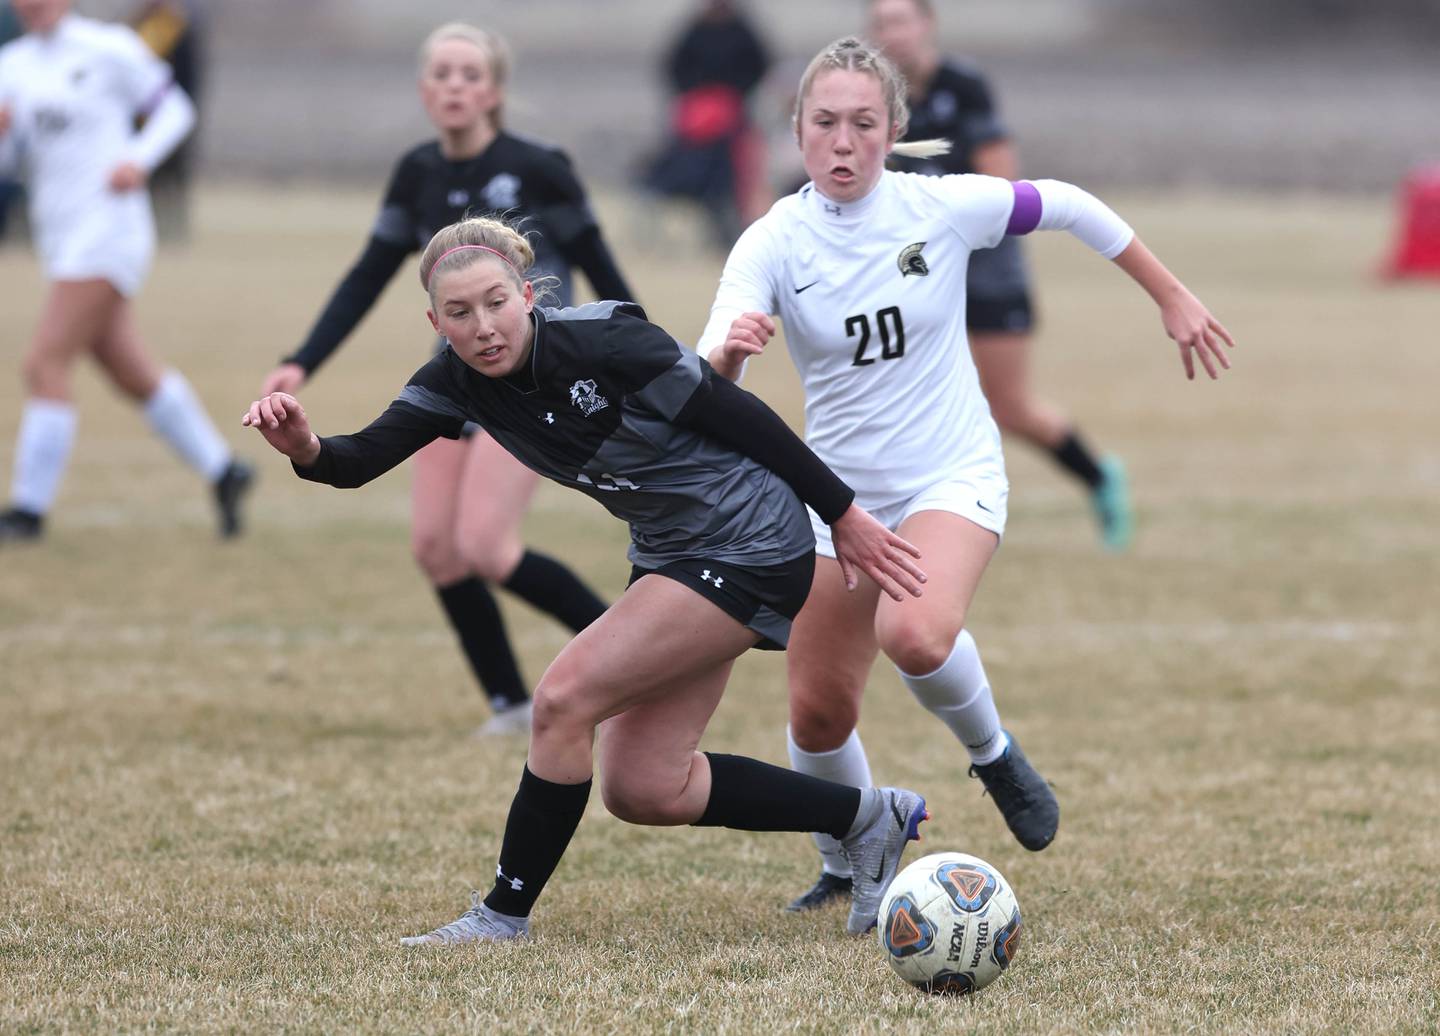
[[391, 241], [741, 323], [421, 414]]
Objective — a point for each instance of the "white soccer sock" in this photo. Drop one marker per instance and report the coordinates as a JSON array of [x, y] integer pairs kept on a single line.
[[844, 765], [959, 694], [177, 414], [47, 432]]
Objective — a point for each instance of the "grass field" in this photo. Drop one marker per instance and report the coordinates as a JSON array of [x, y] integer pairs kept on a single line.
[[232, 775]]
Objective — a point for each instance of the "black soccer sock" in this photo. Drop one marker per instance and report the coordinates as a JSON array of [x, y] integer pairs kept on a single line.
[[1075, 457], [542, 820], [749, 795], [476, 618], [550, 586]]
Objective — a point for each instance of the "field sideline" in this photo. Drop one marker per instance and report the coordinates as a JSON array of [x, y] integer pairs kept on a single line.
[[233, 775]]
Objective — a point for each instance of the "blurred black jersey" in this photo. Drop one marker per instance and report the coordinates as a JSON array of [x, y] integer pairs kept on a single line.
[[958, 107], [529, 184]]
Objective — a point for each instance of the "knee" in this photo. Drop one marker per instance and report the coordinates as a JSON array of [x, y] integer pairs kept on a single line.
[[435, 553], [638, 799], [918, 649], [821, 721], [489, 557], [45, 375], [1008, 408], [559, 707]]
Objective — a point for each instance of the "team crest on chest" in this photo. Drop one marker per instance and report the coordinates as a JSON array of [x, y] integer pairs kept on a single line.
[[911, 261], [503, 191], [586, 395]]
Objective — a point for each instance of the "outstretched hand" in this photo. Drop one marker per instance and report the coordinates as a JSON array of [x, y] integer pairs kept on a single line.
[[748, 335], [281, 419], [1197, 333], [863, 544]]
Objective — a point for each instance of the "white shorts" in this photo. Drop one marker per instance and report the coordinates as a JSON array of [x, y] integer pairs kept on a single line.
[[978, 495], [118, 249]]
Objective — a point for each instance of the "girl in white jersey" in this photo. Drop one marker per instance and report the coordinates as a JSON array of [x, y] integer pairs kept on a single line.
[[70, 91], [867, 269]]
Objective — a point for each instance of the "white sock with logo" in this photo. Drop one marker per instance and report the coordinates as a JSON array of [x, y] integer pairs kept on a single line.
[[177, 414], [42, 449], [959, 694], [844, 765]]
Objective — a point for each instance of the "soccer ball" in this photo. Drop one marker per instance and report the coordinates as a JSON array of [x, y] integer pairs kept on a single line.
[[949, 923]]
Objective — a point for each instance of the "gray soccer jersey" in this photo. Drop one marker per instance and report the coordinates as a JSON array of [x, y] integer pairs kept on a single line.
[[595, 408]]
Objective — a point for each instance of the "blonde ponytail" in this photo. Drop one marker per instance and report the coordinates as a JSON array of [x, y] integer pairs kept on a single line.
[[931, 147]]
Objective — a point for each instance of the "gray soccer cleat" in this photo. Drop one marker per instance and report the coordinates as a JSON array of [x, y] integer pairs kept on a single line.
[[478, 924], [874, 852]]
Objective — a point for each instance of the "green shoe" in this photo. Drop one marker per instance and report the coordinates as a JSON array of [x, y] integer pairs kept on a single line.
[[1111, 501]]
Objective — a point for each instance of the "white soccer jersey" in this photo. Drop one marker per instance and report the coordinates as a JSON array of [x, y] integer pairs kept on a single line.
[[872, 294], [74, 94]]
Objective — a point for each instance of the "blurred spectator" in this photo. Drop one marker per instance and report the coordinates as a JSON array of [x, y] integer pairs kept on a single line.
[[9, 189], [714, 155]]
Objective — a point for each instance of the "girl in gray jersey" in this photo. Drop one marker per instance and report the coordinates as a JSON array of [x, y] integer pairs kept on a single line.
[[713, 485]]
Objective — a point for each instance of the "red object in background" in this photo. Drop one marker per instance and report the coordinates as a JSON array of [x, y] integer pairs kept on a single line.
[[1417, 254]]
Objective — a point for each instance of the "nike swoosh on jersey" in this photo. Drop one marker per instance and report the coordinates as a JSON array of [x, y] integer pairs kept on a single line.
[[807, 287]]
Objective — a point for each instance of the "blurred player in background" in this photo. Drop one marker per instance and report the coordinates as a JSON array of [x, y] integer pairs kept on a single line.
[[715, 155], [867, 268], [951, 101], [173, 29], [470, 496], [70, 91], [711, 483]]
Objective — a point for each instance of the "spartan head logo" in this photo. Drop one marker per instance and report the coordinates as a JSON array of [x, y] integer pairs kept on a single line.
[[586, 395], [911, 261]]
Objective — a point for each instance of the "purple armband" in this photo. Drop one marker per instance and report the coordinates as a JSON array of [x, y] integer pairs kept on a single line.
[[1025, 216]]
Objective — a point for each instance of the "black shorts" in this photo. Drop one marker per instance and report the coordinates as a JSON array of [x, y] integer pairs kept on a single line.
[[762, 598], [1009, 314]]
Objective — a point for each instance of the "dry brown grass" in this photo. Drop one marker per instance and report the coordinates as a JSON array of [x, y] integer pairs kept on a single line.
[[232, 775]]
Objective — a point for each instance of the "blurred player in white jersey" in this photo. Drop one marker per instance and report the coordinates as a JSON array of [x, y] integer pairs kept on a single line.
[[950, 100], [70, 91], [867, 268]]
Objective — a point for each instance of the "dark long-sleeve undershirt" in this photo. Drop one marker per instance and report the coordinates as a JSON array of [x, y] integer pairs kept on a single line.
[[730, 415]]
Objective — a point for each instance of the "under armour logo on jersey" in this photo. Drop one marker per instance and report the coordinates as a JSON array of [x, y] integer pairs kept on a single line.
[[586, 395], [457, 199], [502, 192], [548, 417], [911, 261], [515, 883], [717, 580], [834, 210]]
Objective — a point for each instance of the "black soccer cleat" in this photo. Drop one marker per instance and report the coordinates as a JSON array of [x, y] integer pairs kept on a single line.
[[230, 490], [20, 526], [828, 888], [1022, 795]]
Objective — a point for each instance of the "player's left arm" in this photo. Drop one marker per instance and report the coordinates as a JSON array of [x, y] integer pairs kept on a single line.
[[148, 85], [1055, 205]]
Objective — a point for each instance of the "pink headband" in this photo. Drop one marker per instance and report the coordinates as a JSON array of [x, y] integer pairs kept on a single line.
[[461, 248]]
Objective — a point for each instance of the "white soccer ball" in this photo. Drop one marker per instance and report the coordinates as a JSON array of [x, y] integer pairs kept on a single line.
[[949, 923]]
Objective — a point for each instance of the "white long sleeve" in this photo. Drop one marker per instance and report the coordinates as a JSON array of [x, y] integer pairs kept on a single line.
[[1067, 207], [168, 123]]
